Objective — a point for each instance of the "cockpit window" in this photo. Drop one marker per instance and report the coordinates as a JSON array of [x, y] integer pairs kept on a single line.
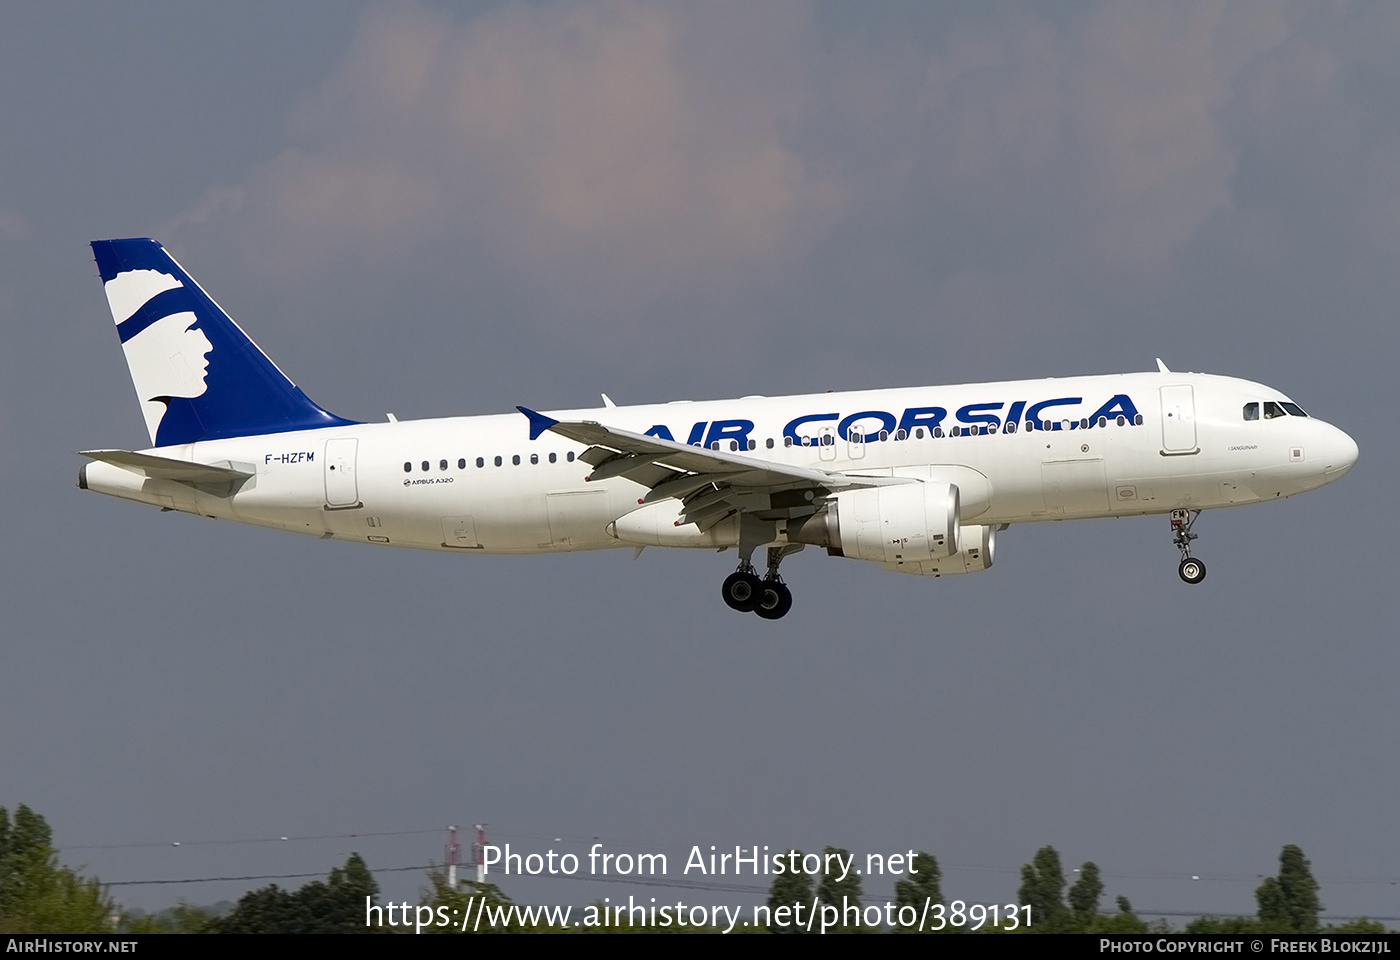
[[1251, 411], [1272, 410], [1293, 409]]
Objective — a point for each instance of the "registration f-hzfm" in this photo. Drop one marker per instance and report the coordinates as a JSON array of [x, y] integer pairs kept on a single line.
[[918, 480]]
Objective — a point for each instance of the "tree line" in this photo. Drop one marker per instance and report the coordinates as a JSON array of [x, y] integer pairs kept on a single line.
[[39, 895]]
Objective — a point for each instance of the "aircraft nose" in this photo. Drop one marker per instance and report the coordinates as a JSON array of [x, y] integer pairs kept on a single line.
[[1341, 454]]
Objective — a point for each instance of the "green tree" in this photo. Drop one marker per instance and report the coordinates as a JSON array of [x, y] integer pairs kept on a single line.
[[923, 885], [1042, 889], [37, 895], [1292, 897], [788, 888], [335, 906], [181, 918], [466, 902], [1085, 893], [835, 889]]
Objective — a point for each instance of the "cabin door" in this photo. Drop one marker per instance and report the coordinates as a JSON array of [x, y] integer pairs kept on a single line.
[[342, 490]]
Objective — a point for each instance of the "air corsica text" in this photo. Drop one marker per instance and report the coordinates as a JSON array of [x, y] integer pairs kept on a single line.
[[883, 425]]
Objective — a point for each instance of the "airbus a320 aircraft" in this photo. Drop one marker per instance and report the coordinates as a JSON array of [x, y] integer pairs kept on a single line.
[[918, 480]]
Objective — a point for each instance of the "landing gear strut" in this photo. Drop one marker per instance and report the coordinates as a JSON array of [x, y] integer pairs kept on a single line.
[[1190, 570], [776, 599], [769, 597]]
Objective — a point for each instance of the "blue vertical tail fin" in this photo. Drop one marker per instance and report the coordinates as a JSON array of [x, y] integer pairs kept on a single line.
[[197, 374]]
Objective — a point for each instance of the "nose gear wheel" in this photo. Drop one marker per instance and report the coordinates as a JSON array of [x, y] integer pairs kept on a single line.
[[1191, 570]]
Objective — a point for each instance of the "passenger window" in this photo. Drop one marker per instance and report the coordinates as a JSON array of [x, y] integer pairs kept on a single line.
[[955, 432], [1251, 411], [753, 444], [733, 445], [570, 456], [498, 461], [515, 460], [918, 433], [938, 432], [1122, 420], [1010, 427], [769, 443], [442, 464], [553, 457], [407, 467], [462, 464], [481, 461], [534, 458], [425, 466]]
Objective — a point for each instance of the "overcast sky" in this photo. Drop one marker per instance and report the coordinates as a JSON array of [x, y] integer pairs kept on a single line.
[[445, 209]]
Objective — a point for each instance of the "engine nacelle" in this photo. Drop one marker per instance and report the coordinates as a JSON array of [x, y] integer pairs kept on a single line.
[[978, 545], [898, 523]]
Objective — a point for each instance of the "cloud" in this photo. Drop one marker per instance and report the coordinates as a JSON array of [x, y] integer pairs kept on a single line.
[[620, 172], [585, 142], [1102, 138]]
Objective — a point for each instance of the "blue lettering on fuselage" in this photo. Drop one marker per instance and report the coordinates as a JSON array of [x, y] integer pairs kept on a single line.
[[791, 429], [974, 413], [980, 418], [1118, 405], [1034, 413], [929, 417], [843, 429], [738, 430]]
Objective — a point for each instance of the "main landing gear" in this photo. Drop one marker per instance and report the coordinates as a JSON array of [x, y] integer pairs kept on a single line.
[[768, 597], [1191, 570]]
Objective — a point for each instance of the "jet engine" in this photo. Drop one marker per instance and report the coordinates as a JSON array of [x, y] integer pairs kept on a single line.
[[978, 545], [891, 524]]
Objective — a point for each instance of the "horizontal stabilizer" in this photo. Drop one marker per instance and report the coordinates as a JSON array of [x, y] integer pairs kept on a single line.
[[164, 468]]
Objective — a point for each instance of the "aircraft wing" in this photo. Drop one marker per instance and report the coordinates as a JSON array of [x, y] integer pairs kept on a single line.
[[711, 484]]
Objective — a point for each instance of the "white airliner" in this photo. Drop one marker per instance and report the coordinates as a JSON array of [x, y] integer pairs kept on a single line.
[[917, 479]]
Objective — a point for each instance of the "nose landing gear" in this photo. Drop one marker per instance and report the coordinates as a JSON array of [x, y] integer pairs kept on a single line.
[[1190, 569]]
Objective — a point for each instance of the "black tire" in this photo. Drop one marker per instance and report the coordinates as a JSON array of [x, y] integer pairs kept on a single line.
[[774, 600], [1191, 570], [742, 591]]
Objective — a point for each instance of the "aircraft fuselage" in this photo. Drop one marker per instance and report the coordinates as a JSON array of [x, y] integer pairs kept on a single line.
[[481, 484]]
